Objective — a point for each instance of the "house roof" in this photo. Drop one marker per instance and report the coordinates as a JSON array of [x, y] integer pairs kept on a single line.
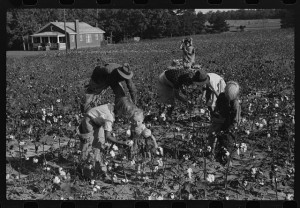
[[47, 34], [70, 27]]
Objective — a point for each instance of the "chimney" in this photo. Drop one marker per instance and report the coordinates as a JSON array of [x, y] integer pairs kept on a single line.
[[77, 26], [77, 32]]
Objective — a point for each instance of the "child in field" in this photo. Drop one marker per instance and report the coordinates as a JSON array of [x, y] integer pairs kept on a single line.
[[144, 142], [227, 113], [188, 52], [96, 128], [212, 85]]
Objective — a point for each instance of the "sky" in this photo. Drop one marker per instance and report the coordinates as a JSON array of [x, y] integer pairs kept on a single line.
[[214, 10]]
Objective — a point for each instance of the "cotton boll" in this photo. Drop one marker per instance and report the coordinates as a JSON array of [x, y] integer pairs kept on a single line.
[[128, 133], [56, 180], [112, 153], [189, 170], [115, 148]]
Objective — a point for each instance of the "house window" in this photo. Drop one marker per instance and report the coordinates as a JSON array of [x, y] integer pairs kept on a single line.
[[51, 28], [62, 39], [80, 38], [72, 38], [88, 38], [45, 40], [36, 39], [96, 36], [53, 39]]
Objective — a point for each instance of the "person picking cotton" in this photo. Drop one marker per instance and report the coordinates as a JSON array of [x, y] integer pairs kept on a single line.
[[227, 113], [105, 76], [96, 128], [212, 85], [170, 87]]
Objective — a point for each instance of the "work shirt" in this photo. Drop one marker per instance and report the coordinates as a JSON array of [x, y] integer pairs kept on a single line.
[[217, 84], [108, 76], [103, 115]]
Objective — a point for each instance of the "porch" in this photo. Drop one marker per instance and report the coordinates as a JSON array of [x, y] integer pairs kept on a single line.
[[48, 41]]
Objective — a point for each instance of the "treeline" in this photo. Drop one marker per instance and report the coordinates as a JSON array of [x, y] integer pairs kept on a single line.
[[122, 24]]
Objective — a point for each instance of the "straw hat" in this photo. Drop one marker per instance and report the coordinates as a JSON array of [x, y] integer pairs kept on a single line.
[[125, 72], [200, 76]]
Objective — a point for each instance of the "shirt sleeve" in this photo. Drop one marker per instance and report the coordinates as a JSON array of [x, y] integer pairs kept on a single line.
[[132, 89], [118, 90]]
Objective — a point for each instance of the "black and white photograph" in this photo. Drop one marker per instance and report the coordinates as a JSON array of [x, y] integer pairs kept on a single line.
[[150, 104]]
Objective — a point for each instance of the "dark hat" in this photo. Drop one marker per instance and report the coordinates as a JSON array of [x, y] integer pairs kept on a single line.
[[188, 40], [125, 72], [200, 76]]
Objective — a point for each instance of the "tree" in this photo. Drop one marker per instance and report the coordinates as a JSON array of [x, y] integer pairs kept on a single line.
[[172, 24], [287, 18], [218, 23], [199, 24], [187, 18]]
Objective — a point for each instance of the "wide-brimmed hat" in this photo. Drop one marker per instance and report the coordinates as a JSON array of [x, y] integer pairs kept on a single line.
[[188, 40], [125, 72], [200, 76]]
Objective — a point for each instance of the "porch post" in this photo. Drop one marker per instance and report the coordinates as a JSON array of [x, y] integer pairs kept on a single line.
[[40, 39], [58, 45]]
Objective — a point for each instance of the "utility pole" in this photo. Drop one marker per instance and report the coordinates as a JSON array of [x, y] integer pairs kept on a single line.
[[65, 30], [24, 46], [110, 37], [97, 18]]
